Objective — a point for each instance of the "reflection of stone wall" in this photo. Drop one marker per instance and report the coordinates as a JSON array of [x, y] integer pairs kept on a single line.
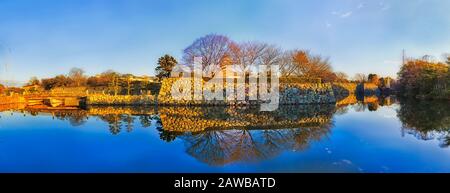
[[372, 101], [11, 103], [196, 119], [117, 110], [290, 93], [350, 99], [11, 99], [11, 106]]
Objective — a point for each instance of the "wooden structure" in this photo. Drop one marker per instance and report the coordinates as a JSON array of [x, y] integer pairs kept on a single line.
[[55, 101], [58, 97]]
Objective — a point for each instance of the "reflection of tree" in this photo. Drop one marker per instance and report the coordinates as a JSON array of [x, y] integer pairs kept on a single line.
[[372, 106], [219, 147], [341, 110], [372, 103], [129, 119], [359, 107], [33, 113], [426, 119], [118, 118], [146, 120], [114, 121], [75, 117], [167, 136], [386, 100]]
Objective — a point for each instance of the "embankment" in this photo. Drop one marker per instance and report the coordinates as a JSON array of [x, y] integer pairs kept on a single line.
[[104, 99], [290, 93]]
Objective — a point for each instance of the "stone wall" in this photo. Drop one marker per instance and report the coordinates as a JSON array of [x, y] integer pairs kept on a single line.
[[68, 91], [290, 93], [368, 89], [344, 89], [104, 99], [306, 93]]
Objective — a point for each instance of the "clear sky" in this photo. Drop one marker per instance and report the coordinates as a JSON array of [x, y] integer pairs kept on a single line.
[[48, 37]]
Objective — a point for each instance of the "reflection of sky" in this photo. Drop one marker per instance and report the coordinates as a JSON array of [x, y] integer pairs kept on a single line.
[[359, 141], [48, 37]]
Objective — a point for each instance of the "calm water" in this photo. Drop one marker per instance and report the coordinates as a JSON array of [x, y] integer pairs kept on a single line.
[[376, 137]]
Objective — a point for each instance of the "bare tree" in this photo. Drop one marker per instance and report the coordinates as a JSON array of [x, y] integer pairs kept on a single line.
[[34, 81], [245, 55], [214, 50], [286, 63], [250, 54], [360, 77], [342, 76], [271, 55], [77, 75], [446, 57]]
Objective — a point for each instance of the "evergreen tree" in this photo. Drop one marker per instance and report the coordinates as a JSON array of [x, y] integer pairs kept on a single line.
[[165, 66]]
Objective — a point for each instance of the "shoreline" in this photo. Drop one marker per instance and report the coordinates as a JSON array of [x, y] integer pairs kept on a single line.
[[291, 93]]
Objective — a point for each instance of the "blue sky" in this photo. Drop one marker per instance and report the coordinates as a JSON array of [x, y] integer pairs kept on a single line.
[[48, 37]]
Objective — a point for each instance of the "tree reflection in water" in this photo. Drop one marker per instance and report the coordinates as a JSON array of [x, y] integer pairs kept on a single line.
[[426, 120], [220, 147], [245, 134], [372, 103], [221, 135], [76, 117], [114, 122], [123, 118]]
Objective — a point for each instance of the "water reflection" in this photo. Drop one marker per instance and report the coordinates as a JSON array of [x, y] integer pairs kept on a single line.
[[222, 135], [426, 120], [123, 118], [198, 119], [227, 146]]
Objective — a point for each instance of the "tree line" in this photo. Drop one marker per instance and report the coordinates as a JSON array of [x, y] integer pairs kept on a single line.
[[218, 51], [418, 78], [110, 81], [424, 78]]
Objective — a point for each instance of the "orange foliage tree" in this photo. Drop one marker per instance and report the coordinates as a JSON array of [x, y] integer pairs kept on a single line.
[[424, 79]]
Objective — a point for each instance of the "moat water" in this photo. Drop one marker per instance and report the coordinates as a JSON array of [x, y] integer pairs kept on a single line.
[[405, 136]]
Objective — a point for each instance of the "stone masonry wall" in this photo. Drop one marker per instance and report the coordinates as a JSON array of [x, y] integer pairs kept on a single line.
[[306, 93], [290, 93], [104, 99]]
